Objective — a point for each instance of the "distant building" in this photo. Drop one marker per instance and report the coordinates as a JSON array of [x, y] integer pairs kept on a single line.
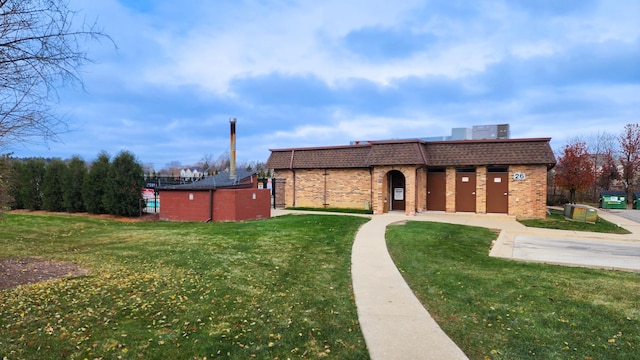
[[477, 132], [192, 174]]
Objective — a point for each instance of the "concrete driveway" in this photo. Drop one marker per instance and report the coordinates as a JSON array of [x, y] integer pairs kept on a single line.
[[597, 253], [575, 248], [633, 215]]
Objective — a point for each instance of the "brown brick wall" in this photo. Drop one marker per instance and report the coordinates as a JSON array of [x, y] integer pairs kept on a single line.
[[451, 189], [381, 188], [226, 205], [330, 188], [309, 188], [284, 188], [410, 190], [241, 204], [380, 196], [280, 192], [527, 198], [481, 190], [348, 188], [357, 188], [185, 205], [421, 190]]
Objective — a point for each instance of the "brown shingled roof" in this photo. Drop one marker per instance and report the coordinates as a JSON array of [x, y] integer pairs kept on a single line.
[[395, 153], [279, 159], [490, 152], [416, 152], [319, 158]]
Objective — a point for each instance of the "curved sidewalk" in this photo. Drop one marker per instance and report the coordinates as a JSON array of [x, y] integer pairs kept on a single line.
[[394, 323]]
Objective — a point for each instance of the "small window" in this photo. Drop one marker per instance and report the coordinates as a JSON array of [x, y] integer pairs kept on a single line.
[[466, 170], [436, 170], [495, 169]]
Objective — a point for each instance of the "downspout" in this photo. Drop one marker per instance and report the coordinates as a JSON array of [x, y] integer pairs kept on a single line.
[[424, 160], [416, 193], [273, 191], [426, 193], [210, 219], [371, 189], [422, 154], [294, 187], [324, 200], [293, 152], [293, 171]]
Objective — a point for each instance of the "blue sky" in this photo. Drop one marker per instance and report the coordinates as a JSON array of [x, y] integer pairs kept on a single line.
[[314, 73]]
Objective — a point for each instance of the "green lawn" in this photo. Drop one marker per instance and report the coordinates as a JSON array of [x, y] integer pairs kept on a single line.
[[280, 288], [276, 288], [502, 309], [556, 220]]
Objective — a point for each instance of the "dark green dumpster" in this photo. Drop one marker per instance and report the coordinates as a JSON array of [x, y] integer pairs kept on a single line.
[[613, 199], [636, 200]]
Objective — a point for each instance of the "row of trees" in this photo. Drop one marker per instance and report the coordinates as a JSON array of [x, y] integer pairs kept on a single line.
[[601, 162], [102, 187]]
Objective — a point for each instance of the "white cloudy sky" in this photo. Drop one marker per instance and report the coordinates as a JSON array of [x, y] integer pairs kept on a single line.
[[311, 73]]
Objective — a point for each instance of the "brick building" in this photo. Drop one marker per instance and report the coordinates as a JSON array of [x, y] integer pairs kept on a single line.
[[216, 198], [507, 176]]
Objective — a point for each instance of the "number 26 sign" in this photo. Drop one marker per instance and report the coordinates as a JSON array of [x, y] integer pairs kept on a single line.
[[519, 176]]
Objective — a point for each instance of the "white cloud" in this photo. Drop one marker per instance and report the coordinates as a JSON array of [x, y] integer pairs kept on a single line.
[[165, 93], [344, 128], [296, 40]]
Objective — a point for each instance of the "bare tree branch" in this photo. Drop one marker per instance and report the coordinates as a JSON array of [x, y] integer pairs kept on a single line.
[[41, 49]]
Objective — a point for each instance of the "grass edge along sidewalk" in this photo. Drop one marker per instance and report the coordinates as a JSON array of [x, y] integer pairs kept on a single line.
[[503, 309], [276, 288], [555, 220]]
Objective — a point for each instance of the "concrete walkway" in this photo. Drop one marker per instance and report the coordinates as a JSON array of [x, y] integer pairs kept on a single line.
[[394, 323]]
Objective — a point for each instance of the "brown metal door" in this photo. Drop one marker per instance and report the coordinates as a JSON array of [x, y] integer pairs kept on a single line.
[[397, 190], [498, 192], [466, 191], [437, 191]]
